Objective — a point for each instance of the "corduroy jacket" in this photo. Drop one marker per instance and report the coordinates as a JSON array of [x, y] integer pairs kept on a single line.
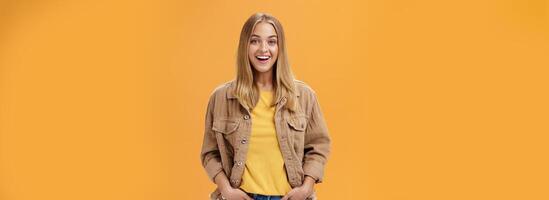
[[302, 136]]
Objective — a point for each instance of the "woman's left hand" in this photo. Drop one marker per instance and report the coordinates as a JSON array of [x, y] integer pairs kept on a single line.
[[301, 192]]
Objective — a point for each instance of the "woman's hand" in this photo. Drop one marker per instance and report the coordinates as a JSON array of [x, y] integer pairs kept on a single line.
[[227, 191], [301, 192], [230, 193]]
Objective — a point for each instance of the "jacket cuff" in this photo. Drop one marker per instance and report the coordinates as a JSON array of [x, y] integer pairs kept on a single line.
[[213, 167], [314, 169]]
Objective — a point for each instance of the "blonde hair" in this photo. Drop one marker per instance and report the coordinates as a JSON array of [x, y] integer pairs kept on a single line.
[[284, 86]]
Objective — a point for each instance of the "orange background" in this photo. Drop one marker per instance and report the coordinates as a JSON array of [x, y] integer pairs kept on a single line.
[[423, 99]]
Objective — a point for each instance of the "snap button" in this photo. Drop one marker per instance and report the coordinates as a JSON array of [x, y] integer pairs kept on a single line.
[[239, 163], [246, 117], [243, 141]]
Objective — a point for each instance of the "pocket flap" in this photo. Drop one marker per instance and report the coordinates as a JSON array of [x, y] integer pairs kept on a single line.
[[298, 123], [225, 126]]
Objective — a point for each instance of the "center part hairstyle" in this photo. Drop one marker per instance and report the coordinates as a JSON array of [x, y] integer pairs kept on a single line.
[[283, 79]]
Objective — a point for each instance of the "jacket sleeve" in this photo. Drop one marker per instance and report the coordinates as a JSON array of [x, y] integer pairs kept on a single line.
[[210, 156], [317, 142]]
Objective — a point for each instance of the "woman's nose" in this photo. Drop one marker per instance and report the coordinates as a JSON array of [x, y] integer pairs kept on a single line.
[[263, 47]]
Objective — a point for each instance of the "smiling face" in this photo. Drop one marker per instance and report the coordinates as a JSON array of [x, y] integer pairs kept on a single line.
[[263, 47]]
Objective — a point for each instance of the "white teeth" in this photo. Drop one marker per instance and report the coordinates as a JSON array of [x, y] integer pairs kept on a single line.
[[263, 57]]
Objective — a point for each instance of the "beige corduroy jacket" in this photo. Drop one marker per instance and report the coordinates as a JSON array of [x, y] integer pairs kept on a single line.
[[302, 136]]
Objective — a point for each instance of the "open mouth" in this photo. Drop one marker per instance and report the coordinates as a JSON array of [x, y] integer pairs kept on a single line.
[[263, 59]]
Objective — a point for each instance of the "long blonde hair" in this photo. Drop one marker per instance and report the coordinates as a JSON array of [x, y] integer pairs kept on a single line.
[[284, 86]]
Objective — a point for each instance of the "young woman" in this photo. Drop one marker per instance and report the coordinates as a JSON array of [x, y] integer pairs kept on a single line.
[[265, 136]]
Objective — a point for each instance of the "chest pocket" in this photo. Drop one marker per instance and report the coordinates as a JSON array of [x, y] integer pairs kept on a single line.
[[298, 123], [296, 135], [227, 127]]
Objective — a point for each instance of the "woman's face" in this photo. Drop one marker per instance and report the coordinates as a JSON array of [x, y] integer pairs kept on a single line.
[[263, 47]]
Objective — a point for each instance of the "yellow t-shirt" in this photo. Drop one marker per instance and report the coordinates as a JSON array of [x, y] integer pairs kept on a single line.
[[264, 172]]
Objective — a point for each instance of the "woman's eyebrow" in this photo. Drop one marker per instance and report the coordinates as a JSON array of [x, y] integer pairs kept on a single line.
[[254, 35]]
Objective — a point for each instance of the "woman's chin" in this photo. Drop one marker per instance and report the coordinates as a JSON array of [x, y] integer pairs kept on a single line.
[[262, 68]]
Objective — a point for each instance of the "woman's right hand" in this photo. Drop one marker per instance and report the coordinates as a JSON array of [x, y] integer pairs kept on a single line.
[[227, 191], [231, 193]]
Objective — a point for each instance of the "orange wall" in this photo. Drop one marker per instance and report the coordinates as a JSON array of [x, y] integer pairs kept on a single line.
[[424, 99]]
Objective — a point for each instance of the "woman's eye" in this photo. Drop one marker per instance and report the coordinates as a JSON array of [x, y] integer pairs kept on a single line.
[[272, 42], [253, 41]]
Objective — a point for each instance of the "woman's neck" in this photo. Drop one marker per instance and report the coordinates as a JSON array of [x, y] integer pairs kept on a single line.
[[264, 81]]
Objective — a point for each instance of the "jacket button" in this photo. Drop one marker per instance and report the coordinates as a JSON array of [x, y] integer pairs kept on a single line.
[[239, 163], [246, 117], [243, 141]]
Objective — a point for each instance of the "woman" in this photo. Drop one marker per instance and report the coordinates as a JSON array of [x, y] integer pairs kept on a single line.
[[265, 135]]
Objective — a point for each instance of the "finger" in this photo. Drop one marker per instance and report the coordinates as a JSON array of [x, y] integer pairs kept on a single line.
[[245, 196], [287, 196], [297, 195]]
